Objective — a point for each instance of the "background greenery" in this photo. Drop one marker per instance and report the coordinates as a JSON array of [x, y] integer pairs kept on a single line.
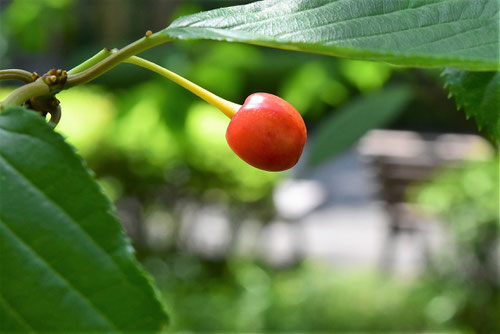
[[152, 144]]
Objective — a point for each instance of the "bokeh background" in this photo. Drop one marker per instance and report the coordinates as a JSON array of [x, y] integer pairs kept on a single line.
[[393, 231]]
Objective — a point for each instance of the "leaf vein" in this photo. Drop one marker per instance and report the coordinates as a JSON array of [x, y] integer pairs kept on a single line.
[[49, 199], [395, 12], [52, 269], [17, 315], [441, 39], [391, 32], [475, 47], [298, 13]]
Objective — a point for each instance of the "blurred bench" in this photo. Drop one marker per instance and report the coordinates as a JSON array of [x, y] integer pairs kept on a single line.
[[402, 158]]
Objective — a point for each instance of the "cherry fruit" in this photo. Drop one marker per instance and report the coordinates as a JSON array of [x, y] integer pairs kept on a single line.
[[267, 132]]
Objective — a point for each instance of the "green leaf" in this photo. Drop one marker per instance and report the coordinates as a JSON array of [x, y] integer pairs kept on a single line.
[[425, 33], [344, 127], [65, 263], [479, 95]]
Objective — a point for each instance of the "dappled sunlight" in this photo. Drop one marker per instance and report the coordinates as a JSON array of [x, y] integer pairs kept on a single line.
[[310, 86], [87, 114], [141, 132], [366, 76]]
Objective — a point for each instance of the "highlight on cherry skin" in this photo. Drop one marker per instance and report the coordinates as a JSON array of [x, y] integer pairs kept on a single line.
[[267, 132]]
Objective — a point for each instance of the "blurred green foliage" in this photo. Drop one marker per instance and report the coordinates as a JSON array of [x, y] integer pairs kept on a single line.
[[26, 22], [366, 76], [247, 297], [467, 197]]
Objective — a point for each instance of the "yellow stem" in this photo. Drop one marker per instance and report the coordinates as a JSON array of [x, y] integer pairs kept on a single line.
[[227, 107]]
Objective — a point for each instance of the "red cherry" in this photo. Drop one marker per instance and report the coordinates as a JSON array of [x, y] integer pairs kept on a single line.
[[267, 132]]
